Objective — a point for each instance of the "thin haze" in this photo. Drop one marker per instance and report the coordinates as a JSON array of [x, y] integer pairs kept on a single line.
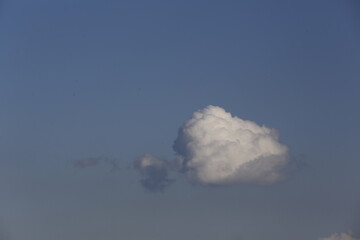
[[179, 120]]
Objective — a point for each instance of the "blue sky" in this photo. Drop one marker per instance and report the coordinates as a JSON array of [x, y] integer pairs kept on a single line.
[[116, 80]]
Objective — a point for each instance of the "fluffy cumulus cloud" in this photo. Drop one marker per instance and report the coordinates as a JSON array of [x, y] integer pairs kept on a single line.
[[340, 236], [214, 147], [154, 173]]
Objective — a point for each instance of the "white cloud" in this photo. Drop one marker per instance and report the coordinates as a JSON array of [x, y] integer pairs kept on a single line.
[[215, 147]]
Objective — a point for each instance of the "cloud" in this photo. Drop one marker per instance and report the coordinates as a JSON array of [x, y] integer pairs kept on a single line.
[[87, 162], [95, 161], [154, 172], [214, 147], [340, 236]]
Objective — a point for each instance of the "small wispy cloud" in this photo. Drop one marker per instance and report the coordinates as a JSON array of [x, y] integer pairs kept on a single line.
[[87, 162], [95, 161], [340, 236], [154, 172]]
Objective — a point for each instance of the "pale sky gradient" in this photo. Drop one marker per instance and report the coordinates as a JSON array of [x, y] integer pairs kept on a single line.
[[116, 79]]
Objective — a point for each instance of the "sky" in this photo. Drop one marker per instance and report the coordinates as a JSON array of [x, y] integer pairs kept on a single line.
[[102, 100]]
